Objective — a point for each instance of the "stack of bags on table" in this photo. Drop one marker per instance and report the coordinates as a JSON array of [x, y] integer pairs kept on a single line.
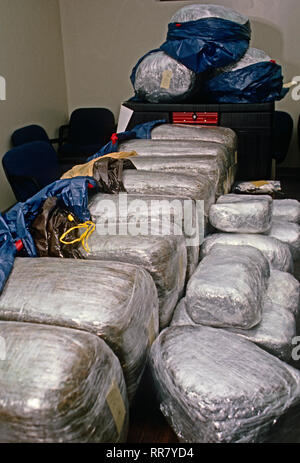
[[206, 56], [221, 369]]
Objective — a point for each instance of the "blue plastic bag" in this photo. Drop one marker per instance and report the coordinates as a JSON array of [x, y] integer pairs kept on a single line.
[[73, 194], [207, 43], [139, 131], [7, 252], [257, 83]]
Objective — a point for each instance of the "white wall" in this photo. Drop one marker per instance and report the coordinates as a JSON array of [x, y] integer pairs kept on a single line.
[[103, 39], [32, 63]]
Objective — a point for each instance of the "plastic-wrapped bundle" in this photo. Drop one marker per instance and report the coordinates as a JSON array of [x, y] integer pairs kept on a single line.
[[228, 287], [165, 183], [241, 214], [214, 386], [287, 210], [277, 252], [164, 148], [274, 333], [289, 233], [257, 187], [284, 290], [124, 208], [159, 78], [164, 257], [116, 301], [223, 135], [254, 79], [202, 165], [59, 385], [207, 36]]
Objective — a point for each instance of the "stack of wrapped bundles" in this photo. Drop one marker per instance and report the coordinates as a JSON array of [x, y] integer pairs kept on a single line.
[[249, 220], [164, 257], [171, 184], [214, 386], [115, 301], [151, 215], [277, 327], [278, 253], [59, 385], [223, 135], [209, 159], [258, 214]]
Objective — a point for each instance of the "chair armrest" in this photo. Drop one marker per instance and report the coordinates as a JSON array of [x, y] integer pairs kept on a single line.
[[62, 134]]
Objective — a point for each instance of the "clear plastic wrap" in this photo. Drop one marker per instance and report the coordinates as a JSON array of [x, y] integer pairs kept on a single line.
[[228, 287], [223, 135], [252, 56], [278, 253], [275, 331], [127, 208], [213, 169], [198, 11], [287, 210], [169, 184], [116, 301], [284, 290], [164, 148], [214, 386], [59, 385], [287, 232], [241, 214], [164, 257], [257, 187], [159, 78]]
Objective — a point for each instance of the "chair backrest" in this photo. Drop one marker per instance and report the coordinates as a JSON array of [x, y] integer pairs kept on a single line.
[[91, 126], [36, 160], [282, 135], [29, 134]]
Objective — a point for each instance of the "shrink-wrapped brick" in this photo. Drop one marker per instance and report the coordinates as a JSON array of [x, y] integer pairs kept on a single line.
[[287, 210], [241, 214], [164, 257], [114, 300], [277, 252], [164, 148], [159, 78], [59, 385], [223, 135], [287, 232], [214, 386], [228, 287], [213, 169], [154, 215], [284, 290]]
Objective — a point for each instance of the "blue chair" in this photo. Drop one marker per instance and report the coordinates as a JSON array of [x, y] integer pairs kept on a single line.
[[30, 167], [88, 130], [28, 134]]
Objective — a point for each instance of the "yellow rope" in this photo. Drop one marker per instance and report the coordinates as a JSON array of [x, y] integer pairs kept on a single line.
[[90, 228]]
